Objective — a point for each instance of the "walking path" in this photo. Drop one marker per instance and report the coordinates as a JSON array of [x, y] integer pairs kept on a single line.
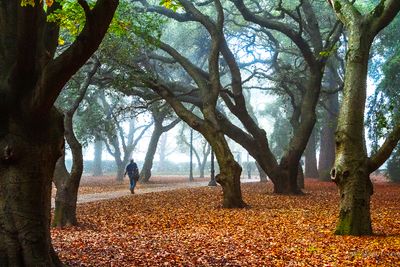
[[84, 198]]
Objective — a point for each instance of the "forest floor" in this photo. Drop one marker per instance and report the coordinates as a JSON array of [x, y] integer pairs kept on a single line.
[[188, 227]]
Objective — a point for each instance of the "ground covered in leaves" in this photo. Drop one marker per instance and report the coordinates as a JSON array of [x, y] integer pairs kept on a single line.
[[188, 227]]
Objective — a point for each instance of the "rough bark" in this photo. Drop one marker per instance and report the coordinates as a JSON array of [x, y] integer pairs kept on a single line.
[[230, 171], [310, 156], [31, 131], [352, 166], [30, 148], [68, 185], [97, 160]]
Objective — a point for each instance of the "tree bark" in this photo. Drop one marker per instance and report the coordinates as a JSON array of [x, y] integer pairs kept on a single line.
[[97, 160], [30, 149], [145, 173], [68, 185], [230, 171], [311, 170], [31, 130], [350, 169], [352, 166]]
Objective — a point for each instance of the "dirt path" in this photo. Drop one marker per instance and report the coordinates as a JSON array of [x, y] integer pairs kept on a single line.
[[84, 198]]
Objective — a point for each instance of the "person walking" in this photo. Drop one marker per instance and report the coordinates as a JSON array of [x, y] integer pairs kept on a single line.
[[133, 174]]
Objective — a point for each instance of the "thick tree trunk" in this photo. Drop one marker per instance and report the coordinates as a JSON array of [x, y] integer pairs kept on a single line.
[[350, 170], [230, 170], [98, 153], [311, 170], [68, 185], [145, 173], [65, 207], [29, 151], [286, 181]]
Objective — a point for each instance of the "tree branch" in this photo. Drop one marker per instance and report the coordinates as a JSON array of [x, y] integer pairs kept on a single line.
[[385, 150], [60, 69]]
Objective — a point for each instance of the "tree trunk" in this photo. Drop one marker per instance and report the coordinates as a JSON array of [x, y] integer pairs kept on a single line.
[[350, 170], [263, 175], [120, 171], [30, 149], [145, 173], [68, 185], [311, 170], [162, 152], [327, 147], [230, 170], [98, 152], [300, 177]]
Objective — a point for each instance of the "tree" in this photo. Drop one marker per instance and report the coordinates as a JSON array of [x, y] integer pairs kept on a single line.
[[328, 123], [314, 47], [209, 85], [383, 108], [159, 113], [253, 138], [352, 165], [67, 184], [31, 130], [118, 143], [97, 159]]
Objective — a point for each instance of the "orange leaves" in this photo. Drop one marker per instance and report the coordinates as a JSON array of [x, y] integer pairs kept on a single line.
[[188, 228], [32, 2]]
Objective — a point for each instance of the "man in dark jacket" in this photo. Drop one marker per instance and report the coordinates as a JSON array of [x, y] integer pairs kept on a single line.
[[133, 174]]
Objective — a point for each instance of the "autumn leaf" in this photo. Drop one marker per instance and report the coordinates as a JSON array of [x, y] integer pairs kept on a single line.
[[188, 227], [32, 2]]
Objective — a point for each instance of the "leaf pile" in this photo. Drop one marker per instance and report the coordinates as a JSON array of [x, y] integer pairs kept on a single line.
[[188, 227]]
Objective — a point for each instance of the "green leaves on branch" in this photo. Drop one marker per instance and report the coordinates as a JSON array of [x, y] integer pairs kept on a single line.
[[328, 53], [171, 4]]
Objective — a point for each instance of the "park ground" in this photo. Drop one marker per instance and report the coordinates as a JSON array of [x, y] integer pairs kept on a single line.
[[188, 227]]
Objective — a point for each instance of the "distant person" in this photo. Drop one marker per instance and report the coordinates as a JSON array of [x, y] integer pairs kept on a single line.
[[133, 174]]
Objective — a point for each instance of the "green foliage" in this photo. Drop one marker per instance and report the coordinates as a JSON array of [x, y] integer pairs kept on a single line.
[[337, 6], [70, 18], [384, 105], [328, 53], [171, 4]]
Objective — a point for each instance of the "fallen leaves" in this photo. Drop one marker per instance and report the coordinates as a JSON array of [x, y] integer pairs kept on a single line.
[[188, 227]]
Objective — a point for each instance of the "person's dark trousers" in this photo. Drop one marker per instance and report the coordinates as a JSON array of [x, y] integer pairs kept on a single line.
[[132, 183]]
